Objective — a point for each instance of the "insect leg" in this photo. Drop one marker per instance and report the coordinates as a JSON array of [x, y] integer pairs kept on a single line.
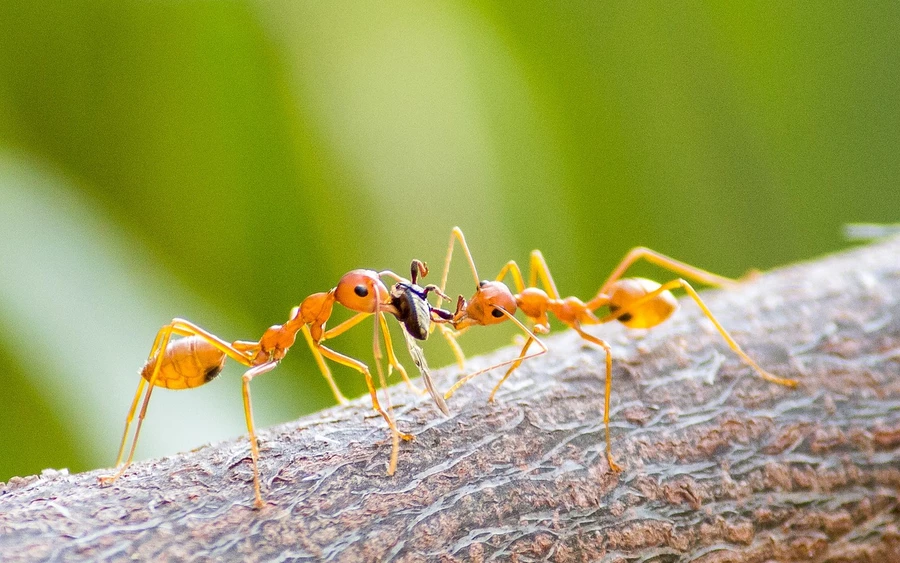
[[680, 283], [248, 414]]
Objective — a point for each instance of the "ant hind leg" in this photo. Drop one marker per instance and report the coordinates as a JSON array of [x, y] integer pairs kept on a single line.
[[248, 414], [591, 338]]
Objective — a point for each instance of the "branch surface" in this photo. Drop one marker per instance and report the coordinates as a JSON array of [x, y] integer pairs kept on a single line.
[[718, 464]]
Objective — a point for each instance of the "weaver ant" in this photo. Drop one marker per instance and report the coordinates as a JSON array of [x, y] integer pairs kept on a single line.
[[199, 356], [635, 302]]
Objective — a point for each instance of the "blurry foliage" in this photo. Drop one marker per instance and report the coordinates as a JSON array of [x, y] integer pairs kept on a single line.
[[221, 160]]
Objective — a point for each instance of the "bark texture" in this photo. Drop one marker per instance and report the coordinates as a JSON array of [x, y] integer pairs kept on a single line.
[[718, 464]]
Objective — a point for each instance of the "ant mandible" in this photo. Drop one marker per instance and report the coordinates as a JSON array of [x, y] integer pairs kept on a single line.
[[635, 302], [199, 356]]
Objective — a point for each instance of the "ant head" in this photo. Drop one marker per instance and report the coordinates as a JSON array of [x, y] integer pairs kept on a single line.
[[360, 291], [484, 307]]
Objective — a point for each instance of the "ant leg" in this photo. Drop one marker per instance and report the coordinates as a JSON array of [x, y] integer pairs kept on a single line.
[[111, 478], [364, 369], [159, 345], [511, 369], [513, 270], [667, 263], [179, 327], [376, 354], [537, 268], [323, 367], [392, 357], [457, 234], [517, 361], [591, 338], [336, 331], [450, 336], [345, 326], [246, 347], [248, 414], [129, 418], [106, 480], [674, 284]]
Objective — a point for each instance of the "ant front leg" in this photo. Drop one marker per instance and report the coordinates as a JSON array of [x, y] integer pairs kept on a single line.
[[537, 270], [317, 355], [450, 336], [323, 366], [511, 268], [531, 300], [248, 414], [456, 235], [347, 325], [364, 370]]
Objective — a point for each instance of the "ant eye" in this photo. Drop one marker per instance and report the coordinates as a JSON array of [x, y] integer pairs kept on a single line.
[[497, 313], [482, 283], [361, 290]]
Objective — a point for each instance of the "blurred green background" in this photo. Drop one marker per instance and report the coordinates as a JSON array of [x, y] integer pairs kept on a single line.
[[220, 161]]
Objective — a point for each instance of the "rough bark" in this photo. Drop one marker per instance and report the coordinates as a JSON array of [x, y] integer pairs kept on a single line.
[[719, 465]]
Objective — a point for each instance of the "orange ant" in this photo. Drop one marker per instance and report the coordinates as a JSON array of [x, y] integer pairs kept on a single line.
[[635, 302], [199, 356]]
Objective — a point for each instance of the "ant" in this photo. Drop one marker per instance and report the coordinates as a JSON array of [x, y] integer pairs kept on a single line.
[[199, 356], [635, 302], [492, 303]]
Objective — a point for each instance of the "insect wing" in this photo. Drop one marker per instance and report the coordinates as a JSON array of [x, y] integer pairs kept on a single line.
[[418, 357]]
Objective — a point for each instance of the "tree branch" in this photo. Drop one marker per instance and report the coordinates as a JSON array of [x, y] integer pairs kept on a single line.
[[718, 464]]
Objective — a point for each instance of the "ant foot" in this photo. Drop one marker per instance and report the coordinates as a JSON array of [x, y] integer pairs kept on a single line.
[[779, 380], [613, 466]]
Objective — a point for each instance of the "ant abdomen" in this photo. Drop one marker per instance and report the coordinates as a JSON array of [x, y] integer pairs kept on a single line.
[[186, 363], [647, 315]]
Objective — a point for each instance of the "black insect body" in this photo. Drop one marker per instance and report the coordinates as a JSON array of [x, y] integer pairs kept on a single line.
[[412, 309]]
